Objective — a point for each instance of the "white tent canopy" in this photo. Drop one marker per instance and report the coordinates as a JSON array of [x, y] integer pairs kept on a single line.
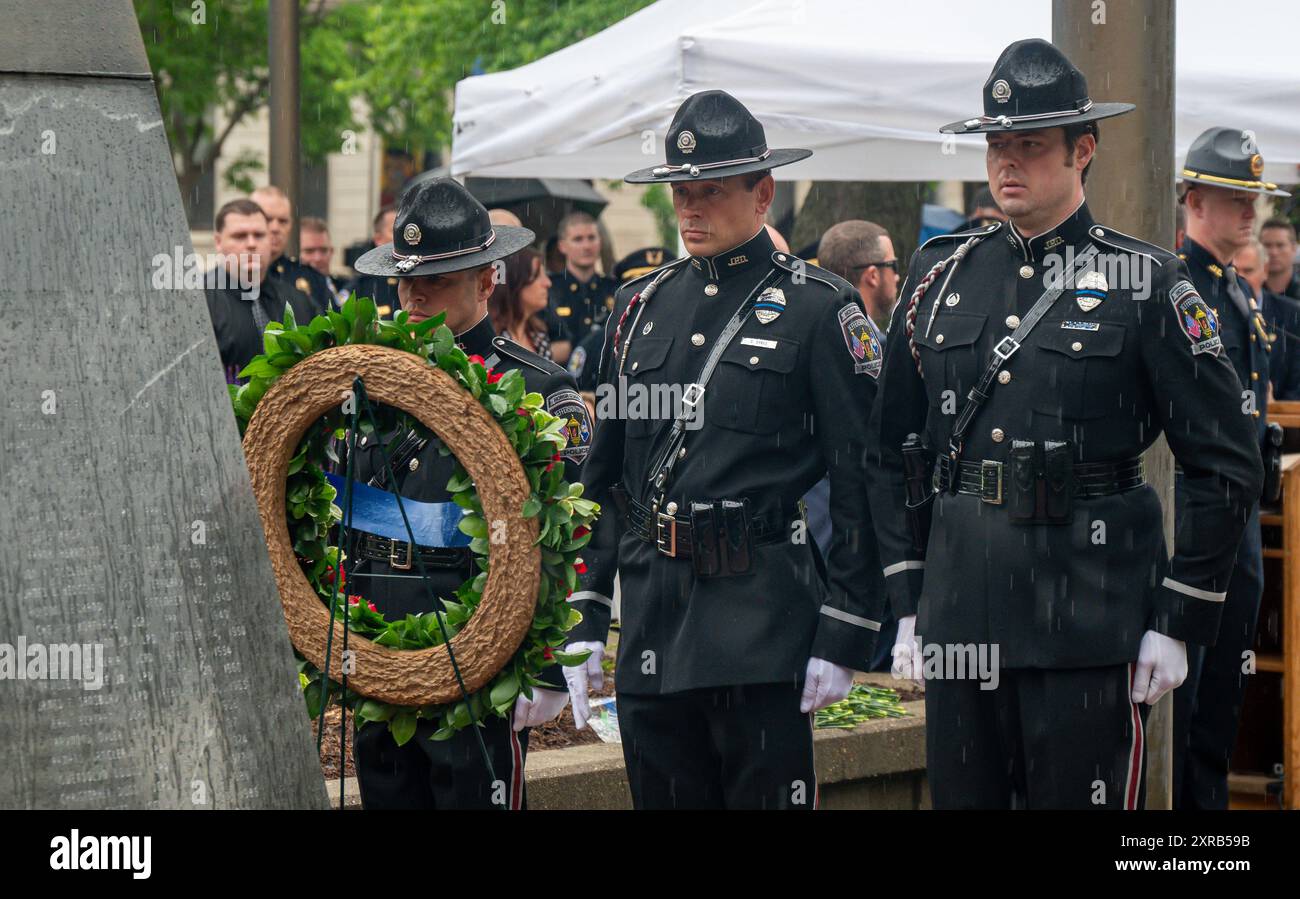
[[864, 83]]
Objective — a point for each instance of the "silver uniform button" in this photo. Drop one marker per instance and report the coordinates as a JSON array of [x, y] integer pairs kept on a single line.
[[681, 453], [1004, 377], [415, 464], [697, 339], [711, 290], [998, 435], [671, 508], [634, 365], [1013, 322], [649, 326], [753, 360], [938, 338], [363, 440], [1076, 346], [953, 299], [1097, 232], [1026, 271]]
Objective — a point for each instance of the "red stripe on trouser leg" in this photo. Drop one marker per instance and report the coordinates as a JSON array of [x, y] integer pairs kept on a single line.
[[1136, 748]]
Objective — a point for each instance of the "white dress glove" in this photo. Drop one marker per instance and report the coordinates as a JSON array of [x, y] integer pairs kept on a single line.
[[824, 683], [582, 678], [545, 706], [907, 651], [1161, 666]]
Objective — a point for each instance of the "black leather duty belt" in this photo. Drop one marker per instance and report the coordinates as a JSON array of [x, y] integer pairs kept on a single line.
[[1090, 479], [673, 535], [398, 554]]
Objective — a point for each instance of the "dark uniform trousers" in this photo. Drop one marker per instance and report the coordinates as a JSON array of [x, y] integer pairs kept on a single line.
[[710, 668], [1044, 738], [1207, 707], [1129, 352], [745, 747], [423, 773]]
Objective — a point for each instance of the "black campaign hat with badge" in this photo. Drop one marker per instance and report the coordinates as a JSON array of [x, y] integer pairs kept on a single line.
[[441, 228], [1034, 85], [1228, 157], [713, 135]]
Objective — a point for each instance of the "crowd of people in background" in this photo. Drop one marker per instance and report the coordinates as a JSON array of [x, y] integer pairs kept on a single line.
[[558, 310]]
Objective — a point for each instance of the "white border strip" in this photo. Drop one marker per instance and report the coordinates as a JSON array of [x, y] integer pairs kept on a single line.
[[903, 566], [1193, 592], [591, 596], [850, 619]]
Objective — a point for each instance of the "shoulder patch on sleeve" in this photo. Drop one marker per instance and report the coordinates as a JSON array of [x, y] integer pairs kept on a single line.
[[1195, 318], [863, 340], [566, 405]]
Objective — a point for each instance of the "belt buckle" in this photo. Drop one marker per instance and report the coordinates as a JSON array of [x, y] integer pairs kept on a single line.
[[990, 469], [392, 555], [661, 519]]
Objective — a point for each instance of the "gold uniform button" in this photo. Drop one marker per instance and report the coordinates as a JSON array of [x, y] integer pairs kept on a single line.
[[1255, 414], [1026, 271], [998, 435], [1013, 322], [1004, 377], [1076, 346], [1254, 376], [1252, 338], [939, 339], [697, 339]]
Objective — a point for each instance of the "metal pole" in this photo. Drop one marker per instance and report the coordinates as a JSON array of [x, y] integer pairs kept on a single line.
[[1126, 50], [282, 22]]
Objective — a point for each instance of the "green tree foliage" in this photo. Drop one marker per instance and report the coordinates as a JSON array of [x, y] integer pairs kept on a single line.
[[212, 56]]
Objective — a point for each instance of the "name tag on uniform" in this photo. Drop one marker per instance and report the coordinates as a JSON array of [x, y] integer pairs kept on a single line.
[[758, 341], [1079, 326]]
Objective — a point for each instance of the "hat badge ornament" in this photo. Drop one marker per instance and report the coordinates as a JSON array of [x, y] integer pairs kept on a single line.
[[411, 234]]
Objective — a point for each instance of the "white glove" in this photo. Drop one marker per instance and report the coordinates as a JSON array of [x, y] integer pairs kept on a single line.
[[824, 683], [582, 678], [1161, 666], [907, 651], [545, 706]]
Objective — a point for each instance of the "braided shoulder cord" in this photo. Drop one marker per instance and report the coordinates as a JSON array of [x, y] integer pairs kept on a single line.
[[924, 284], [639, 299]]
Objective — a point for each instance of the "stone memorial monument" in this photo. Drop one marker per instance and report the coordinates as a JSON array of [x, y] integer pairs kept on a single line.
[[144, 659]]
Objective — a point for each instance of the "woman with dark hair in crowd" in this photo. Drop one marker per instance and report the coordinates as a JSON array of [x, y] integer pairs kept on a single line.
[[518, 305]]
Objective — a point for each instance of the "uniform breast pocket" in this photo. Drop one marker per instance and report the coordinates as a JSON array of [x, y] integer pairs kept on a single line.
[[1077, 370], [752, 389], [952, 352], [646, 406]]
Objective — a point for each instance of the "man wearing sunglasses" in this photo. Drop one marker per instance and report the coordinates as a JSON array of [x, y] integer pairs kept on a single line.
[[862, 254]]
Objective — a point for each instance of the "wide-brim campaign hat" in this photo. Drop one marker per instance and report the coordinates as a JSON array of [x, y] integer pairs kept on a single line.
[[1034, 85], [1228, 157], [441, 228], [713, 135]]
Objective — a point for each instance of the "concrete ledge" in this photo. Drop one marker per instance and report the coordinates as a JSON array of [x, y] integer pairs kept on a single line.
[[879, 765]]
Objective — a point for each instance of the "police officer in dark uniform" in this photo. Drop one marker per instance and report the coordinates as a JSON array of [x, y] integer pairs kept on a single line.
[[730, 635], [285, 268], [1037, 360], [239, 317], [1221, 179], [585, 358], [580, 297], [441, 255]]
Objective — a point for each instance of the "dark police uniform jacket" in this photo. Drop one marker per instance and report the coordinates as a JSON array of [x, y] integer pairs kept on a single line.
[[788, 402], [397, 593], [305, 279], [1111, 380], [1243, 327], [1282, 313], [238, 337], [576, 307]]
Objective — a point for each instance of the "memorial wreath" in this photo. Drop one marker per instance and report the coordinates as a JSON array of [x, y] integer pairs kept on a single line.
[[563, 517]]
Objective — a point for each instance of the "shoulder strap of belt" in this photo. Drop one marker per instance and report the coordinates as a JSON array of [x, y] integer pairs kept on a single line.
[[662, 469], [411, 444], [1005, 349]]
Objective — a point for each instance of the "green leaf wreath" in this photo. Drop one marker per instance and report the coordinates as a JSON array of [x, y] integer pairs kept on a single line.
[[564, 517]]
